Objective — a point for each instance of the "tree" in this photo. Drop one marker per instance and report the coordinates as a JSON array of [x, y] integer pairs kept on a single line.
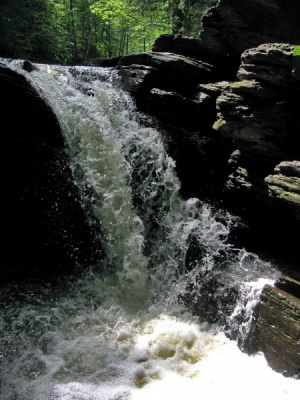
[[24, 29], [74, 31], [133, 25]]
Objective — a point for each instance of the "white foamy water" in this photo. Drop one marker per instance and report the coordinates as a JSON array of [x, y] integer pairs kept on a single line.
[[76, 351], [125, 330]]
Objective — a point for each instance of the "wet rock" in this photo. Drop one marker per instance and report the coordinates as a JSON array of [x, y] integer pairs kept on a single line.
[[277, 330], [213, 300]]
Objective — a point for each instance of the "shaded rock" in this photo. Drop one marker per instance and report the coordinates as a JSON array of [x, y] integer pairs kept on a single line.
[[176, 72], [194, 254], [43, 226], [296, 67], [258, 115], [175, 108], [178, 44], [137, 79], [232, 26], [271, 63], [256, 121], [165, 86], [214, 301], [213, 89], [103, 62], [28, 66]]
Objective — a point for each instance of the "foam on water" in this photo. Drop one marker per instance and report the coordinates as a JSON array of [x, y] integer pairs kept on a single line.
[[74, 349]]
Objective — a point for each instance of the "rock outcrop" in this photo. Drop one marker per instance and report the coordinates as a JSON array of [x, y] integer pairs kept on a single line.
[[258, 113]]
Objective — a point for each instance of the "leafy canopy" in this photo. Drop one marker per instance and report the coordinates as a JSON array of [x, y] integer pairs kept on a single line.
[[117, 12], [79, 31]]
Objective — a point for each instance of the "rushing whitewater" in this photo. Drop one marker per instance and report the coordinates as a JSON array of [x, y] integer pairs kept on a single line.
[[137, 325]]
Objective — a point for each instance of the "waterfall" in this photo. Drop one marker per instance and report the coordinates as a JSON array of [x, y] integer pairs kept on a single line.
[[163, 311]]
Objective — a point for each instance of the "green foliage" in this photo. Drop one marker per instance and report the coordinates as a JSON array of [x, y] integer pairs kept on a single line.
[[136, 23], [118, 12], [297, 51], [73, 31], [18, 34]]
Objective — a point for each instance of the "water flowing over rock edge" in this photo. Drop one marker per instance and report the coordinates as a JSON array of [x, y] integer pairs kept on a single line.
[[240, 173]]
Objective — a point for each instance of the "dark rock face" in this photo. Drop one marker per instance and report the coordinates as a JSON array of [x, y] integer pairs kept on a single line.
[[173, 71], [232, 26], [257, 113], [178, 44], [43, 226]]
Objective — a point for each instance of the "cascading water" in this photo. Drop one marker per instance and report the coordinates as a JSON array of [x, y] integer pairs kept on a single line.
[[160, 315]]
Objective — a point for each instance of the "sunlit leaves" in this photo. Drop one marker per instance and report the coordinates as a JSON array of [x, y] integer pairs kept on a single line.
[[297, 51], [143, 21], [117, 12]]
